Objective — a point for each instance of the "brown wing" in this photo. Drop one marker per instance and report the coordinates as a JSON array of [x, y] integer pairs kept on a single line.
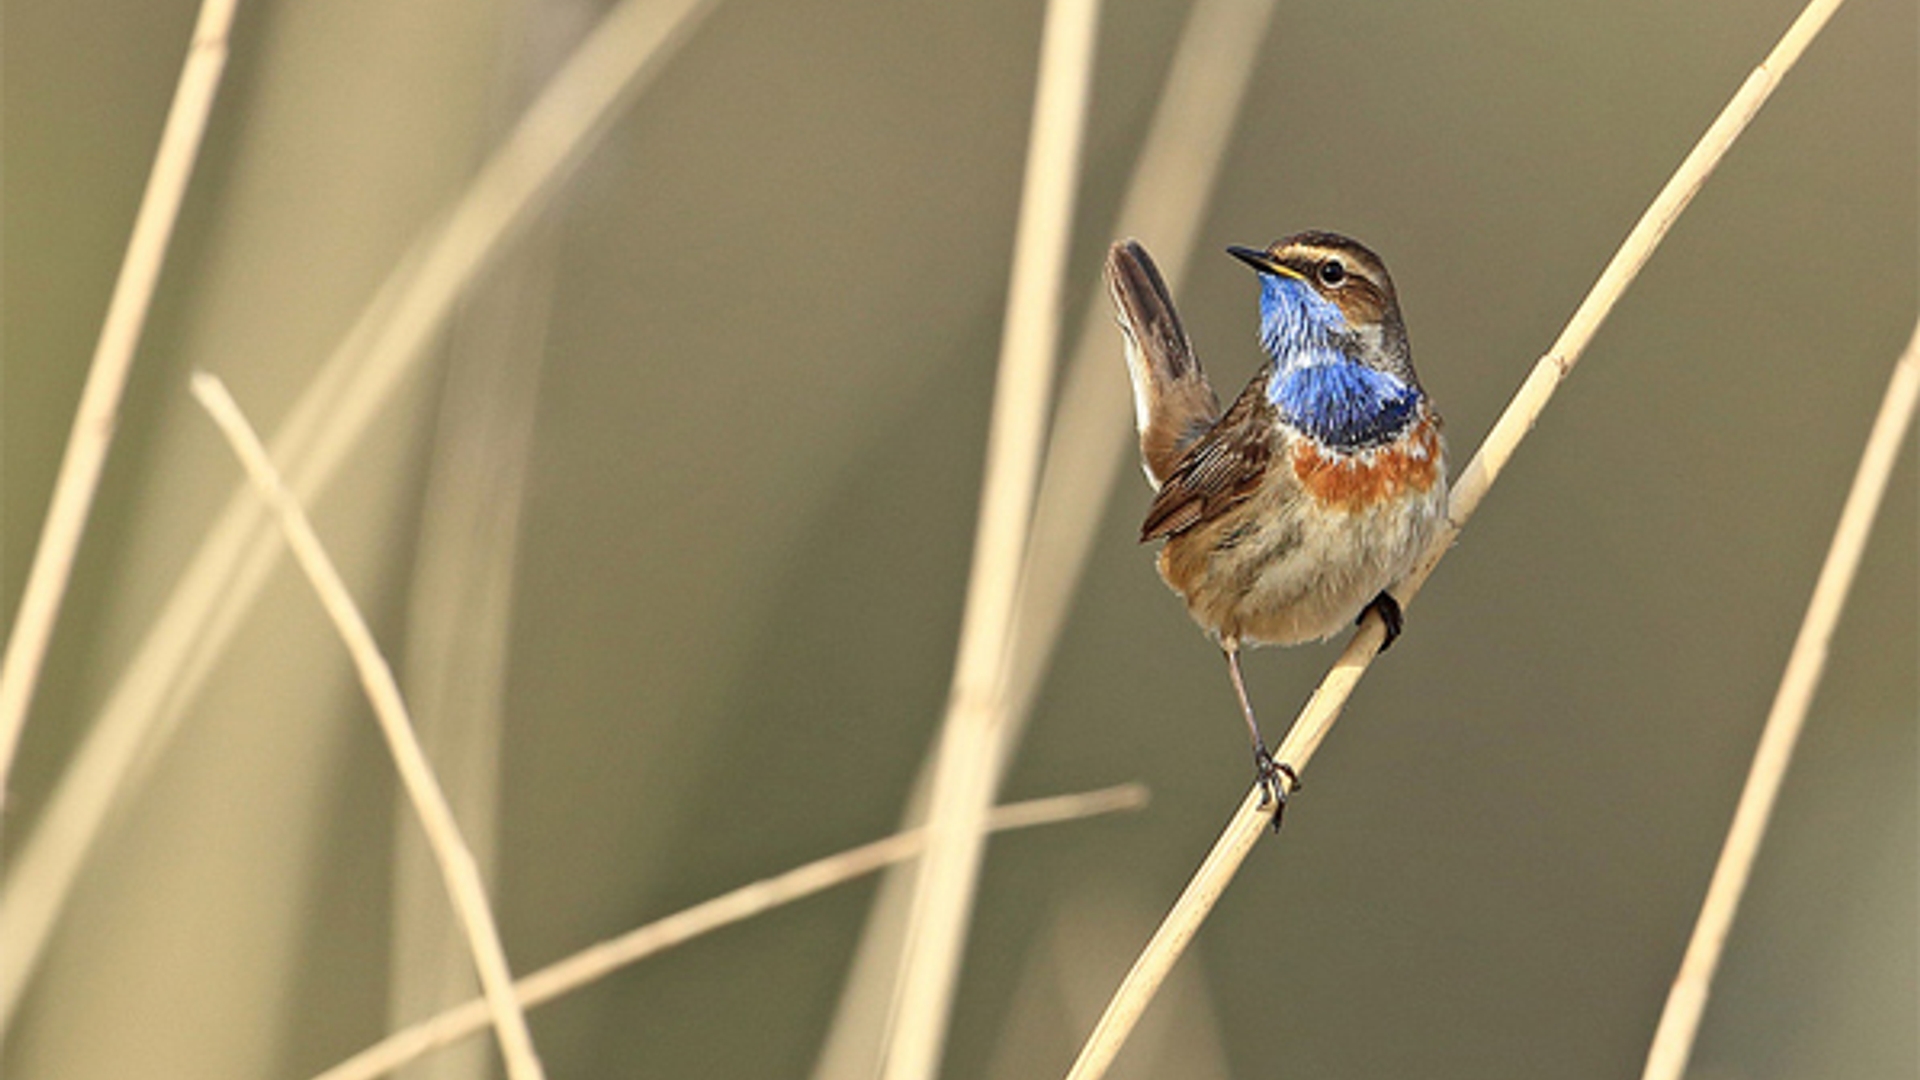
[[1223, 468]]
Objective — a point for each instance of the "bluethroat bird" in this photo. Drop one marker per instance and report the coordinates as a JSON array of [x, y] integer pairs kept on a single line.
[[1290, 515]]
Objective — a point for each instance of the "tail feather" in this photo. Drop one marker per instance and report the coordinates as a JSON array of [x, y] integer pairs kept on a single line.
[[1173, 404]]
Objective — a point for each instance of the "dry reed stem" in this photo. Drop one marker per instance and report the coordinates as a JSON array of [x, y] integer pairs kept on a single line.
[[1311, 727], [609, 68], [596, 962], [1165, 199], [1680, 1019], [966, 774], [457, 866], [98, 413]]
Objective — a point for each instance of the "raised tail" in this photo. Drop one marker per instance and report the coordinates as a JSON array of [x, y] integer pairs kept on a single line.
[[1173, 404]]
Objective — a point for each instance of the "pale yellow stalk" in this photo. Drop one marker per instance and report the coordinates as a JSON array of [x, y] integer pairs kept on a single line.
[[94, 422], [1166, 198], [457, 866], [967, 771], [597, 961], [1687, 1000]]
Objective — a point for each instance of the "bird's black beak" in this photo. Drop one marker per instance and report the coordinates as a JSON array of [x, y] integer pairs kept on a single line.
[[1262, 261]]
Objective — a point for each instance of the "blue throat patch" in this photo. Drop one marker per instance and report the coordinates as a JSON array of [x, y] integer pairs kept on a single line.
[[1316, 387], [1343, 404], [1295, 319]]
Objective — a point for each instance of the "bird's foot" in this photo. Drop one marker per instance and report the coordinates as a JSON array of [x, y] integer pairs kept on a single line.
[[1390, 617], [1267, 773]]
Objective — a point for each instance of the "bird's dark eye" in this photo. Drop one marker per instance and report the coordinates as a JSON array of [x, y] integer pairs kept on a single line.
[[1332, 272]]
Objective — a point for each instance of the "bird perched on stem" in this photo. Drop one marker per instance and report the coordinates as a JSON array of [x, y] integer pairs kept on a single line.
[[1293, 513]]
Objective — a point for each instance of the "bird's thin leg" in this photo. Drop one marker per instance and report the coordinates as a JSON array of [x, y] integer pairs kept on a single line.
[[1267, 772]]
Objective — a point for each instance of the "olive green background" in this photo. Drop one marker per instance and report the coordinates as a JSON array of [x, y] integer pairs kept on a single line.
[[767, 315]]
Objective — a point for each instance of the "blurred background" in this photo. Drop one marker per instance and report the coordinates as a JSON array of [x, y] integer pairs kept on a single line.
[[668, 540]]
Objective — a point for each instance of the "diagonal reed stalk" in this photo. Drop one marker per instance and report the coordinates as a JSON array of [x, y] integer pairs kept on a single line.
[[459, 871], [966, 773], [608, 70], [94, 421], [1687, 1000], [1316, 720], [595, 962]]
